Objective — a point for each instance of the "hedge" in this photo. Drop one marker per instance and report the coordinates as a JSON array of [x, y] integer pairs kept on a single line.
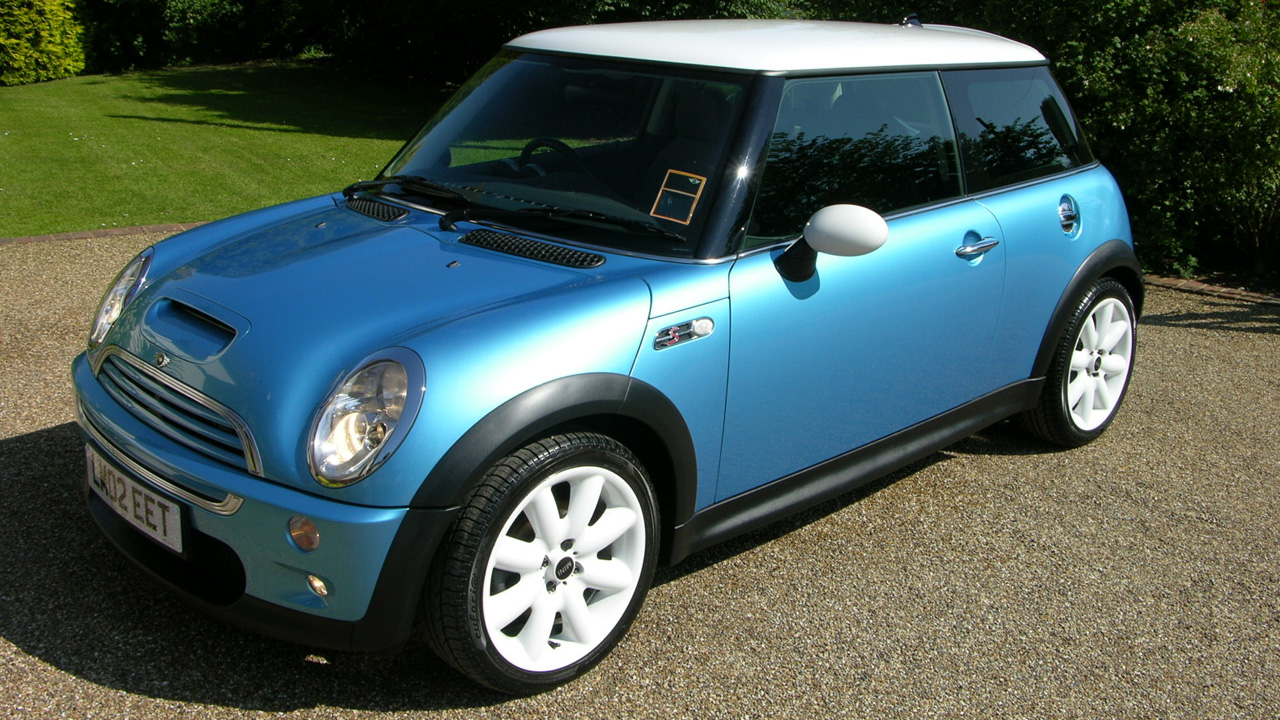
[[39, 40], [129, 34]]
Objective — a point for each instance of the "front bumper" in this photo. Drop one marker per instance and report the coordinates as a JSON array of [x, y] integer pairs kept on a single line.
[[239, 563]]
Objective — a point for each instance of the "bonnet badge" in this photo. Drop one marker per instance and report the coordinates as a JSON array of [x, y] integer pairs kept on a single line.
[[161, 359]]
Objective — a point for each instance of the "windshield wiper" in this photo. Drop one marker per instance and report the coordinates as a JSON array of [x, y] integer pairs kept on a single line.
[[449, 220], [629, 223], [413, 183]]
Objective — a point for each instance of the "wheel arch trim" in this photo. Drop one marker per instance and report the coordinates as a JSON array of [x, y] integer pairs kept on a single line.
[[1114, 258], [560, 404]]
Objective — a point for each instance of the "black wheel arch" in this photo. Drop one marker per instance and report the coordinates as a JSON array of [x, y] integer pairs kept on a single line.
[[630, 411], [1115, 259]]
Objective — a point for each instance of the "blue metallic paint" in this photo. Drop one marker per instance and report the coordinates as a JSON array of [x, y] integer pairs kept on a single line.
[[466, 327], [797, 344], [913, 346], [692, 375], [837, 340], [354, 539], [1042, 258]]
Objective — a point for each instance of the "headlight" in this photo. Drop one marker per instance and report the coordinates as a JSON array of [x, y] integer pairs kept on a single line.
[[363, 421], [122, 292]]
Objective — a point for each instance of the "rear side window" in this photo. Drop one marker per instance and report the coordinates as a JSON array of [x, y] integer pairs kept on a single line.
[[882, 141], [1014, 125]]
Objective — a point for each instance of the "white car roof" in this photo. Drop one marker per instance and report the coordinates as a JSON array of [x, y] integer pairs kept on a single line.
[[783, 45]]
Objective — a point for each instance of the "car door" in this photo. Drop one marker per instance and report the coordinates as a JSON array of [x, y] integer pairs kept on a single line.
[[873, 344], [1026, 161]]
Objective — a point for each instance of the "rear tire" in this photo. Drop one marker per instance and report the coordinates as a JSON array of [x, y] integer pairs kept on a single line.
[[1090, 371], [546, 566]]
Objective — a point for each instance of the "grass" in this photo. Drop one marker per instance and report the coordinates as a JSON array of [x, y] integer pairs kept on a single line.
[[193, 144]]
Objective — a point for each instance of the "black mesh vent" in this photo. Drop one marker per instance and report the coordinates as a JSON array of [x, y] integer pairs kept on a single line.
[[376, 210], [532, 249]]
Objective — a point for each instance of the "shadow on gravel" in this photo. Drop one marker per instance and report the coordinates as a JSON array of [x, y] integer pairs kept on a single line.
[[1002, 439], [69, 600], [767, 534], [1222, 315]]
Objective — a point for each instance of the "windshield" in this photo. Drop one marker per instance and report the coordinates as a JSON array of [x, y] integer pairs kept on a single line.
[[606, 153]]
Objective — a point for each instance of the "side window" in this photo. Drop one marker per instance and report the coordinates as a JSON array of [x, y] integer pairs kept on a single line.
[[882, 141], [1014, 125]]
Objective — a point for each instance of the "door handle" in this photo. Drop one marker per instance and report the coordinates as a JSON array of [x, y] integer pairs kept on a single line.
[[979, 247]]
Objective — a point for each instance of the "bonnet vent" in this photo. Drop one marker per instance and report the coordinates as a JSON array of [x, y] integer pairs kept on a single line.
[[532, 249], [376, 210]]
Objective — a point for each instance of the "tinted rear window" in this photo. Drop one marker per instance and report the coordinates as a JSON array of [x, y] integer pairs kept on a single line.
[[1014, 125]]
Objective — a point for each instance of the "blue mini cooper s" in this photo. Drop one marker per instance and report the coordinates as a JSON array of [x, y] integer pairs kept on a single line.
[[633, 290]]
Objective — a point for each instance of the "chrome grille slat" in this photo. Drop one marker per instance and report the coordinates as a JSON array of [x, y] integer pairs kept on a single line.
[[177, 411], [167, 395], [144, 413], [166, 407], [155, 417], [228, 505]]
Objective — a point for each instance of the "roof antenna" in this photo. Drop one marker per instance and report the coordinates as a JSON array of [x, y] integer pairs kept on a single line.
[[911, 20]]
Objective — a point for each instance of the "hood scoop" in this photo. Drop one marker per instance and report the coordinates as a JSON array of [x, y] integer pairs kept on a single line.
[[532, 249], [192, 327], [376, 210]]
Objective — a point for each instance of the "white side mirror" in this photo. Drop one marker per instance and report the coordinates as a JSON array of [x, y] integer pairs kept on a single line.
[[846, 230]]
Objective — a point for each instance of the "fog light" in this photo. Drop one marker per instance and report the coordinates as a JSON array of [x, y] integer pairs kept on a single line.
[[304, 533], [317, 586]]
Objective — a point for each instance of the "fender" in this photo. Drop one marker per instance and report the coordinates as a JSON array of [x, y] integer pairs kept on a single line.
[[538, 411], [1114, 257]]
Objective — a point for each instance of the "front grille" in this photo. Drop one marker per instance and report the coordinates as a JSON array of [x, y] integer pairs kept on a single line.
[[532, 249], [376, 210], [177, 411]]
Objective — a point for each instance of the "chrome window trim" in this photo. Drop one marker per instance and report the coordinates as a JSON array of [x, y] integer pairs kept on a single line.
[[226, 507], [252, 459]]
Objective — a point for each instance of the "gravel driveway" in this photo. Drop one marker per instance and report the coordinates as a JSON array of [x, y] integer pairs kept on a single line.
[[1138, 577]]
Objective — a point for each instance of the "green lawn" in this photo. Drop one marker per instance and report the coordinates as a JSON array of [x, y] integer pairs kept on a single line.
[[191, 144]]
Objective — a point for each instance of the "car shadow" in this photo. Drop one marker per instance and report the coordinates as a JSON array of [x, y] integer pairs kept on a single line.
[[68, 599], [1004, 439]]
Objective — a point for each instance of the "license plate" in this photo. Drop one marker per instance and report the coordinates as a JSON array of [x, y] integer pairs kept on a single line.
[[158, 517]]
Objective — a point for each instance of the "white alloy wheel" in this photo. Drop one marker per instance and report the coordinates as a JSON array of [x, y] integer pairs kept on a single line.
[[1090, 369], [546, 565], [564, 568], [1100, 364]]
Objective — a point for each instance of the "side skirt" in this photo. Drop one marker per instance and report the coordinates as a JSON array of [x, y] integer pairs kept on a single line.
[[786, 496]]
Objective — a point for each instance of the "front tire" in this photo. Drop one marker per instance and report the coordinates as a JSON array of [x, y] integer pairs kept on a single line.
[[1090, 371], [546, 566]]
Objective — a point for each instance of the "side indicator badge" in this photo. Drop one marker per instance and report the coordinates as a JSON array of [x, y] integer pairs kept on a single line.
[[683, 333]]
